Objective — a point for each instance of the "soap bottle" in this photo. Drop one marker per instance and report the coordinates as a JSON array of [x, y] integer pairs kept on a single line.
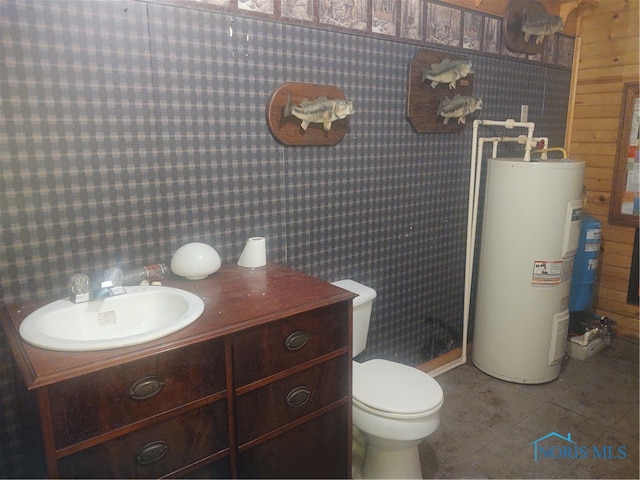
[[149, 273]]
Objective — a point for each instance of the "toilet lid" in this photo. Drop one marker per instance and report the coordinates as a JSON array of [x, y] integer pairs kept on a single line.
[[395, 388]]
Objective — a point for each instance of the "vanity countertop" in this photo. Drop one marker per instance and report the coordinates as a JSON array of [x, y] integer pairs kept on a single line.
[[235, 299]]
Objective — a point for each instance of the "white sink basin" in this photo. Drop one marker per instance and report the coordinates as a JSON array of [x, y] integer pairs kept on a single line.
[[142, 314]]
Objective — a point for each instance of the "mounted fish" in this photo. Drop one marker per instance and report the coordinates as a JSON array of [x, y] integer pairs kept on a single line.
[[525, 19], [447, 71], [322, 110], [540, 25], [458, 107]]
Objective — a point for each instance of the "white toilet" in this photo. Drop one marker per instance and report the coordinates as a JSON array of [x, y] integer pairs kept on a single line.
[[395, 406]]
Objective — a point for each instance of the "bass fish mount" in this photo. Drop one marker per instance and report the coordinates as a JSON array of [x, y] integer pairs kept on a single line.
[[308, 114], [526, 25], [437, 82]]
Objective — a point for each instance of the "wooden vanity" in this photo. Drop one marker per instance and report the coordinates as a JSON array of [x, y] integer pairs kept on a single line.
[[258, 387]]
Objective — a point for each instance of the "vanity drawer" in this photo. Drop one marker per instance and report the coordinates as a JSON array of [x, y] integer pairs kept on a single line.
[[155, 451], [272, 348], [99, 402], [318, 449], [291, 398]]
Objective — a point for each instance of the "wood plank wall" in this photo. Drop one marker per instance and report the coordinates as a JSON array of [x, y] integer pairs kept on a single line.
[[608, 58]]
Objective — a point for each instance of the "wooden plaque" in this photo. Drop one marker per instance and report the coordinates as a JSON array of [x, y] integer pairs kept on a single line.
[[423, 101], [288, 130]]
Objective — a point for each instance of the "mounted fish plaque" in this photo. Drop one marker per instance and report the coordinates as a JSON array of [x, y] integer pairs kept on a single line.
[[308, 114], [526, 24], [440, 90]]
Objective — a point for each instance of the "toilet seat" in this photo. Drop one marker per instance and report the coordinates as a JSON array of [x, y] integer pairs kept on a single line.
[[382, 387]]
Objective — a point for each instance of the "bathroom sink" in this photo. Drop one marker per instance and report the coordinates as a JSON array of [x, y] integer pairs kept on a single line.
[[142, 314]]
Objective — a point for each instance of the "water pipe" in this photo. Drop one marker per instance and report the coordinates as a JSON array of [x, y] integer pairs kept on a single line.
[[543, 151], [510, 124], [522, 140], [494, 150], [467, 273], [472, 214], [583, 340]]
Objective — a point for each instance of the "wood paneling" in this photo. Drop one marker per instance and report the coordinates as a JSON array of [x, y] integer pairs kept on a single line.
[[608, 58]]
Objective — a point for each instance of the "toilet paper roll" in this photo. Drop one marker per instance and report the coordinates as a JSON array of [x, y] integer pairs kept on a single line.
[[254, 254]]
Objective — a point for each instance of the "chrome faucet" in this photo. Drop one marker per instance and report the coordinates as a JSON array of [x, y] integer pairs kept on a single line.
[[82, 291]]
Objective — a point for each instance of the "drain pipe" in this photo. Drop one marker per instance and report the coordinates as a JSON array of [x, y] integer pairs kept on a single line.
[[472, 218], [468, 270]]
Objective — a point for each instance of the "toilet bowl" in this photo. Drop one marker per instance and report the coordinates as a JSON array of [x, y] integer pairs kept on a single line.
[[395, 406]]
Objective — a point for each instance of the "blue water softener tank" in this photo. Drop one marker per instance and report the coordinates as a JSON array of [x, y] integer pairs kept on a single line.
[[585, 265]]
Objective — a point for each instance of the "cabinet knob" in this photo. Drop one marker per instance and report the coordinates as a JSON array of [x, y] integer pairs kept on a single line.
[[296, 340], [152, 452], [146, 387], [298, 396]]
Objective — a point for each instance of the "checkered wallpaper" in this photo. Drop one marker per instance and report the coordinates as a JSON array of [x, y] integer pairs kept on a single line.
[[129, 129]]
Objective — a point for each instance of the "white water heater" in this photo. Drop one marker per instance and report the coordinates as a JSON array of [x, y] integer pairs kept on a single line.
[[530, 234]]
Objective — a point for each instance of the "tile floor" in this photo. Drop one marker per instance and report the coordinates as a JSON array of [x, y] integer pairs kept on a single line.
[[488, 424]]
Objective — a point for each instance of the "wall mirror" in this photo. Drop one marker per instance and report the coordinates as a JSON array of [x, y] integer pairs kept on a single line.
[[625, 195]]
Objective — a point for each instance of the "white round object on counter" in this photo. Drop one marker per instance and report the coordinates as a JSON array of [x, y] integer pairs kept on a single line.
[[195, 261]]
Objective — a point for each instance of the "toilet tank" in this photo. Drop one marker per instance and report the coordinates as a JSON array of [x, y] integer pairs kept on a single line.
[[362, 305]]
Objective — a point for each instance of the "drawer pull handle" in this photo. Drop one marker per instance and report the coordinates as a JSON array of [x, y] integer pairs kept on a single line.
[[146, 387], [298, 397], [152, 452], [296, 340]]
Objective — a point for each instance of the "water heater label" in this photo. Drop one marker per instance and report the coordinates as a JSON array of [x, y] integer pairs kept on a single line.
[[572, 225], [546, 273], [594, 234], [592, 247]]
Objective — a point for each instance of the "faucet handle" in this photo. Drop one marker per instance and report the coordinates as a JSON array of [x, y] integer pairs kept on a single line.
[[80, 288], [113, 281], [79, 283], [113, 275]]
